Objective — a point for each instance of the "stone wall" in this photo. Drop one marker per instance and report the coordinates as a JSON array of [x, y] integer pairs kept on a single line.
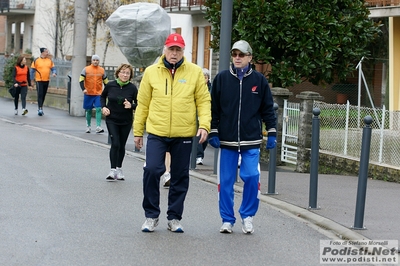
[[56, 98]]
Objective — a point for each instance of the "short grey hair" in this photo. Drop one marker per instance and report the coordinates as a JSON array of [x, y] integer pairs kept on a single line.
[[206, 72]]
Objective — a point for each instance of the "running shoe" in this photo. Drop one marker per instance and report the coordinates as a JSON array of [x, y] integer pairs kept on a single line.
[[149, 224], [199, 161], [226, 228], [112, 175], [175, 226], [99, 130], [119, 175], [247, 225]]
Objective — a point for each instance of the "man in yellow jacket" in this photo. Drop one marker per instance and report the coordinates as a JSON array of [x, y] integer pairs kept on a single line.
[[171, 94]]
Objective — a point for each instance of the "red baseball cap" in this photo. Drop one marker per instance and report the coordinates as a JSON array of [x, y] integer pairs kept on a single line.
[[175, 39]]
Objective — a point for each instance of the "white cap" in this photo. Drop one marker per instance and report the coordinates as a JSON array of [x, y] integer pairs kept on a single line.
[[242, 46]]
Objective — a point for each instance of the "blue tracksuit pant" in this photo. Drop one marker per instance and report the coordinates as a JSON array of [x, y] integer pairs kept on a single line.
[[180, 150], [250, 175]]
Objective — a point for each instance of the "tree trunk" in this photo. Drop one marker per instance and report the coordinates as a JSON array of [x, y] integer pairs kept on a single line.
[[108, 40], [94, 34]]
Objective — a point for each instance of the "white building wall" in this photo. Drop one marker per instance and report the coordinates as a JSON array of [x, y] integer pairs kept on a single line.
[[43, 35], [43, 26], [185, 23]]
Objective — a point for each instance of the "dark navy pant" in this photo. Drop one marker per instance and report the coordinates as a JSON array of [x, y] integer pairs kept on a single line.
[[180, 150]]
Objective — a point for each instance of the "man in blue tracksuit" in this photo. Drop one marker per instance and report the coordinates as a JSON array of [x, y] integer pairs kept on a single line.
[[241, 100]]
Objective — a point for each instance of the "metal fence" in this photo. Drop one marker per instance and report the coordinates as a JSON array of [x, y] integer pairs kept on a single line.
[[290, 131], [341, 127], [64, 70]]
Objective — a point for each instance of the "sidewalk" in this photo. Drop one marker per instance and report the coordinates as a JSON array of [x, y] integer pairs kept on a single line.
[[336, 194]]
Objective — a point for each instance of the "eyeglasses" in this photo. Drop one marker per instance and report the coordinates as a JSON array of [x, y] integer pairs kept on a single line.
[[125, 73], [241, 55]]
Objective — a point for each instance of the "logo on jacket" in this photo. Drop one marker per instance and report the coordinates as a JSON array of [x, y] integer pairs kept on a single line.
[[183, 81], [254, 90]]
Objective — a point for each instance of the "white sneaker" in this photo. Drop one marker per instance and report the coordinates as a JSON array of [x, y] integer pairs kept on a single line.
[[112, 175], [174, 225], [88, 129], [24, 111], [247, 225], [16, 111], [199, 161], [119, 175], [99, 130], [226, 228], [166, 179], [149, 224]]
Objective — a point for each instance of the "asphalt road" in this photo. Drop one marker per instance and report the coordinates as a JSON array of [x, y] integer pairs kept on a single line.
[[57, 209]]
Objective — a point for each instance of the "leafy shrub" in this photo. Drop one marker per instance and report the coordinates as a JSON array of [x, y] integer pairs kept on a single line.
[[8, 68]]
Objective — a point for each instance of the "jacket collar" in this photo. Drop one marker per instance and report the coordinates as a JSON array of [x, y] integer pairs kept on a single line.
[[234, 70]]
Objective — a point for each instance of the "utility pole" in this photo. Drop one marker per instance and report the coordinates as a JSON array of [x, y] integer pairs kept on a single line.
[[225, 37], [78, 56]]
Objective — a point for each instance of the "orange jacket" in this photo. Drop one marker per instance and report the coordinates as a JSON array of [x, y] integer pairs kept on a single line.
[[93, 78], [21, 76]]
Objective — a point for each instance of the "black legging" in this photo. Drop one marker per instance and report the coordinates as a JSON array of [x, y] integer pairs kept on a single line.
[[41, 87], [119, 135], [23, 91]]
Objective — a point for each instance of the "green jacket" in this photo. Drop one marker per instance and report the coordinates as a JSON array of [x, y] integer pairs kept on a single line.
[[167, 107]]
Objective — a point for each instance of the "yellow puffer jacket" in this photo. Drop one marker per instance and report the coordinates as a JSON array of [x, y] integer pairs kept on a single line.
[[167, 107]]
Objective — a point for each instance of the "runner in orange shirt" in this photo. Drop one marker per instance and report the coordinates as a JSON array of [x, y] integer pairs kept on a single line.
[[91, 81], [41, 68]]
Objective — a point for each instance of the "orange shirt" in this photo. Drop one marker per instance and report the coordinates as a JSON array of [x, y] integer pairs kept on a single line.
[[43, 68]]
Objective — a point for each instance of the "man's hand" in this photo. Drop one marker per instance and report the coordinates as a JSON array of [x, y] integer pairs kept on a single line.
[[202, 133], [271, 142], [214, 141], [138, 142]]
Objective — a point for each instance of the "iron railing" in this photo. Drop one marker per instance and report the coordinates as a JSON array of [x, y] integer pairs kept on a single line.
[[382, 3], [6, 5]]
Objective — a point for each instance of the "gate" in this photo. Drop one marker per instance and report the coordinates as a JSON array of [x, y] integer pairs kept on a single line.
[[290, 131]]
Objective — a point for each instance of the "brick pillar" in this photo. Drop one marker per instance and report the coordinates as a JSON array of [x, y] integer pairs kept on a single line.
[[279, 95], [307, 99]]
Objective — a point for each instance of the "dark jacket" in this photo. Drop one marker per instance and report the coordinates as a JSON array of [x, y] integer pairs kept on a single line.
[[239, 108], [113, 97]]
